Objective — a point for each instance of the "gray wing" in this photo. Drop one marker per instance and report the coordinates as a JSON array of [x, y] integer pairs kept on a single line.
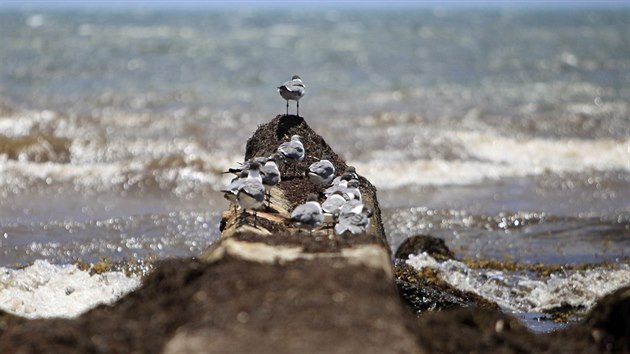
[[322, 168], [334, 189], [296, 86], [254, 189], [333, 203], [292, 150], [349, 206], [234, 186], [354, 223], [307, 214]]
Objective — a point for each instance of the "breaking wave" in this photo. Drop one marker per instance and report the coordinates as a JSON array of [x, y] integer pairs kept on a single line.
[[526, 292], [47, 290], [490, 157]]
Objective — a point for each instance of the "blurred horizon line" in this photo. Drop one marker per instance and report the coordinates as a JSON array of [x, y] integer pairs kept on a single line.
[[308, 4]]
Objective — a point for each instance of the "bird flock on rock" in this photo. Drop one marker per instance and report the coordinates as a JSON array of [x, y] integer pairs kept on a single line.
[[342, 208]]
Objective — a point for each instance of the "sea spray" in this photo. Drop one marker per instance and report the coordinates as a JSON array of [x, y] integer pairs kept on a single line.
[[526, 291], [45, 290]]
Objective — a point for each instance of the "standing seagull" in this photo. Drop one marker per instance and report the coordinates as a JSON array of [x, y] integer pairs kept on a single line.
[[231, 191], [331, 207], [292, 90], [251, 194], [309, 214], [292, 151], [270, 175]]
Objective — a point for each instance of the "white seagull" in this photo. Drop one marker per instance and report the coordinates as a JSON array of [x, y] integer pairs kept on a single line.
[[231, 191], [309, 214], [251, 194], [331, 207], [350, 170], [292, 90], [244, 166], [321, 172], [292, 151], [354, 217], [270, 175]]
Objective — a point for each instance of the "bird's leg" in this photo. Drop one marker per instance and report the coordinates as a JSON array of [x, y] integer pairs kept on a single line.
[[241, 217], [298, 108], [255, 217], [287, 108]]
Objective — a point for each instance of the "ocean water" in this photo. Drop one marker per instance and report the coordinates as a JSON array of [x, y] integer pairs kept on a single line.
[[504, 132]]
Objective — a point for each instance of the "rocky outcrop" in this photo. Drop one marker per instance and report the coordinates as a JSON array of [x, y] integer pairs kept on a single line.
[[303, 291]]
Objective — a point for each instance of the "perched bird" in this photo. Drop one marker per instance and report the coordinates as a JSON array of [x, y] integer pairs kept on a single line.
[[270, 175], [352, 190], [354, 217], [340, 186], [292, 151], [251, 194], [348, 187], [308, 215], [231, 191], [350, 170], [244, 166], [331, 207], [321, 172], [292, 90]]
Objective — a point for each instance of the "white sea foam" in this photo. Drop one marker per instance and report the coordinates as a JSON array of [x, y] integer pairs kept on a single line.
[[24, 122], [45, 290], [491, 157], [527, 293], [104, 176]]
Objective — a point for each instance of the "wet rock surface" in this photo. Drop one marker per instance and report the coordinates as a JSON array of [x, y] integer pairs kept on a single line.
[[426, 291], [609, 321], [276, 288], [433, 246]]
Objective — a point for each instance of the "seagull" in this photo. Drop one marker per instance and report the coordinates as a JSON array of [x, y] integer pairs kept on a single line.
[[251, 194], [349, 170], [352, 190], [342, 185], [231, 191], [331, 207], [292, 90], [244, 166], [354, 217], [321, 172], [309, 214], [292, 151], [270, 175]]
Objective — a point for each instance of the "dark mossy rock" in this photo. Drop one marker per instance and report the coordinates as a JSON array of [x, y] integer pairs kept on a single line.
[[609, 321], [296, 186], [433, 246], [481, 330], [7, 320], [426, 291], [269, 136]]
